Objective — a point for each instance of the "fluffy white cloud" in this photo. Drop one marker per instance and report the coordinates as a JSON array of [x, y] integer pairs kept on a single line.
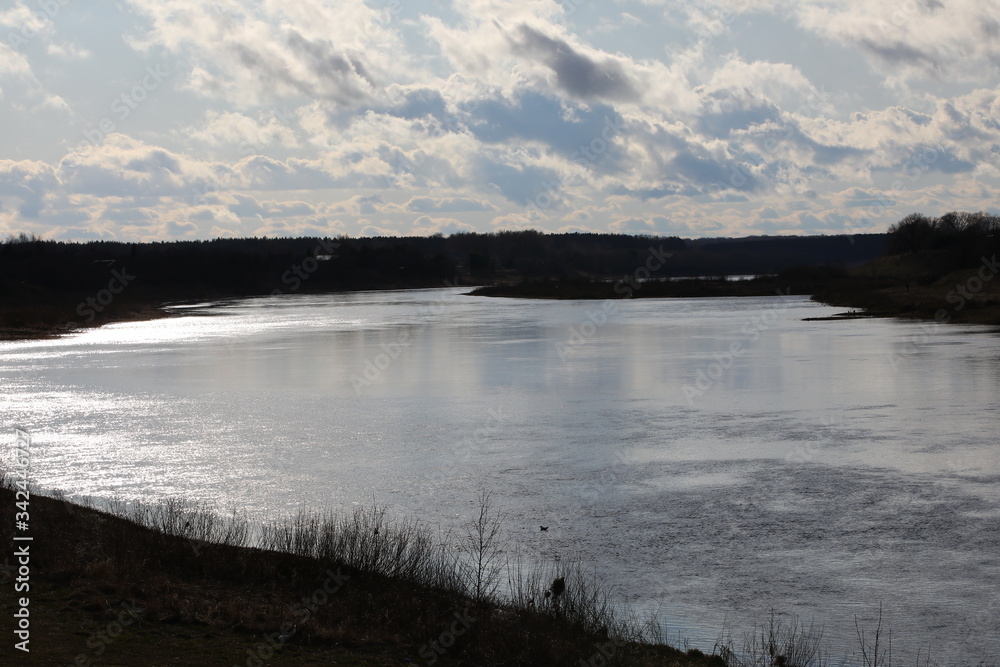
[[248, 134], [252, 52], [942, 39]]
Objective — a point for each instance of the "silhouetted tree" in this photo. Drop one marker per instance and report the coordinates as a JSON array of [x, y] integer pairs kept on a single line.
[[911, 234]]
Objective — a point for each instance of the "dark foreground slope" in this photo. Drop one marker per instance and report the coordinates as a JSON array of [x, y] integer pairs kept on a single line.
[[141, 585], [106, 591]]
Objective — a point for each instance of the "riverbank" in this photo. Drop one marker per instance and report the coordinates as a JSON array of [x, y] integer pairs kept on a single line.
[[188, 587], [891, 287], [21, 322], [177, 583], [968, 296], [962, 297], [50, 316]]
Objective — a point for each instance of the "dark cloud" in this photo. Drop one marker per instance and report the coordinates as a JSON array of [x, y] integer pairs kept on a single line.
[[899, 53], [312, 68], [587, 135], [925, 157], [346, 78], [419, 104], [681, 161], [723, 114], [710, 174], [823, 154], [576, 74]]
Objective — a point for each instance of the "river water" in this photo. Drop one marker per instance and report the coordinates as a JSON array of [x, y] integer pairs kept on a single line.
[[712, 459]]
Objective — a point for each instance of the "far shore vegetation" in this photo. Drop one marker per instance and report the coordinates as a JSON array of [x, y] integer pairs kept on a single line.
[[932, 268], [181, 583], [49, 287], [939, 269]]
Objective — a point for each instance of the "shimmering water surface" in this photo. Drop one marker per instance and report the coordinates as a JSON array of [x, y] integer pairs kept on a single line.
[[824, 468]]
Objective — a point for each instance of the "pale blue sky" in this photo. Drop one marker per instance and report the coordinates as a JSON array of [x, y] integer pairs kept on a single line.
[[163, 119]]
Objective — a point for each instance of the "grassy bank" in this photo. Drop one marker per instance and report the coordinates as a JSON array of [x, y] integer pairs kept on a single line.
[[177, 584], [909, 287], [48, 319], [914, 286], [180, 584]]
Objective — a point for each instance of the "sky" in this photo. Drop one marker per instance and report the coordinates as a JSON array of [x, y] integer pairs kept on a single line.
[[143, 120]]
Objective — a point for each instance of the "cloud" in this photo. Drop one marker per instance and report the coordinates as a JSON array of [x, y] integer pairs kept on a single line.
[[12, 62], [22, 23], [418, 102], [447, 205], [374, 230], [359, 205], [858, 197], [181, 229], [632, 226], [578, 74], [920, 38], [959, 134], [577, 229], [27, 182], [245, 133], [426, 226], [578, 133], [122, 166], [69, 51], [519, 183], [285, 117], [270, 51], [660, 225], [17, 74]]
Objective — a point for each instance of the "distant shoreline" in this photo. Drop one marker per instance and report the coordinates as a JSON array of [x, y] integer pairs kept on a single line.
[[43, 327], [940, 301], [39, 321], [867, 297], [661, 289]]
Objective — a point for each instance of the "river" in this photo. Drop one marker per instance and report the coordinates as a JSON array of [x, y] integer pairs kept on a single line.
[[713, 459]]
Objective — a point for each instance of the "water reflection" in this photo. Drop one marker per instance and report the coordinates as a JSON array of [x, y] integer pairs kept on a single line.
[[810, 473]]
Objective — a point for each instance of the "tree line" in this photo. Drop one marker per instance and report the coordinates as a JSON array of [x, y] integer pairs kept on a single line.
[[33, 268], [958, 238]]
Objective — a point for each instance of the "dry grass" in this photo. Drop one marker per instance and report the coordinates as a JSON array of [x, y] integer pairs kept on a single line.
[[399, 588], [352, 585]]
